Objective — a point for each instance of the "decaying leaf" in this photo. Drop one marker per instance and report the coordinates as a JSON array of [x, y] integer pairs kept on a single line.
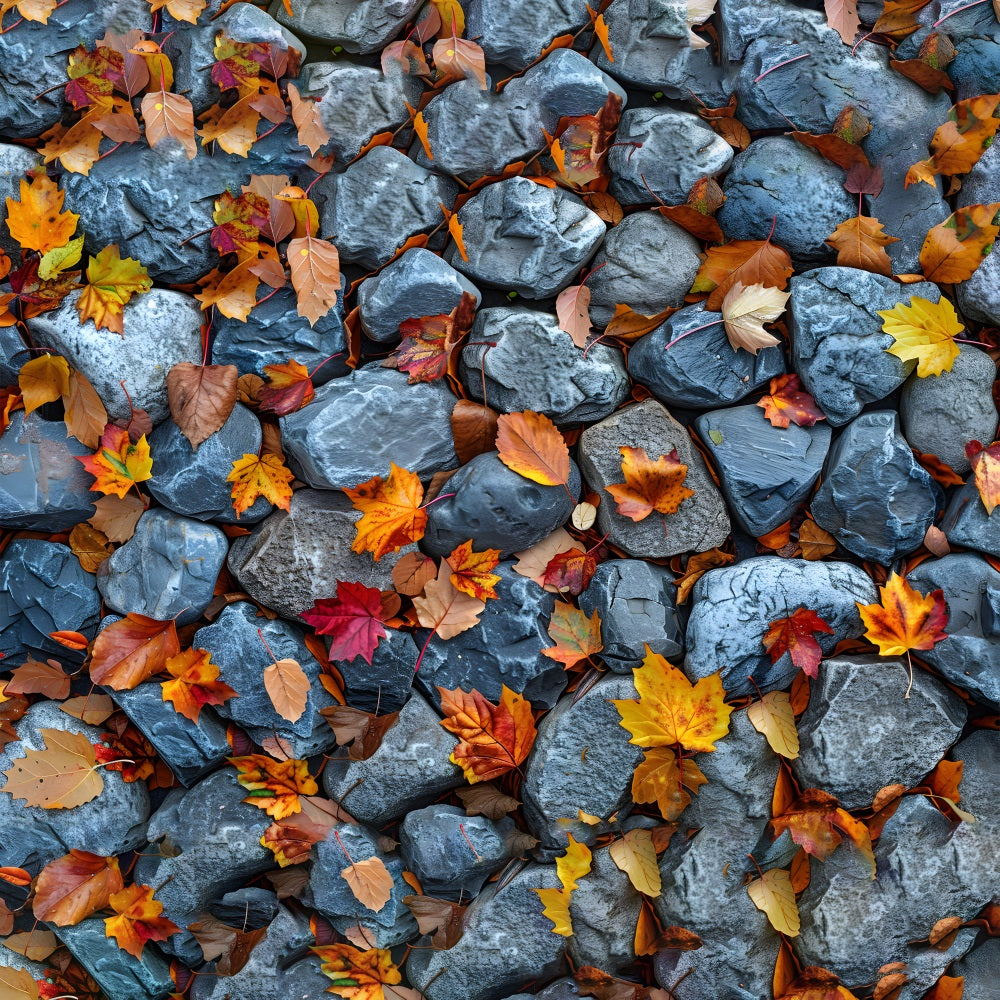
[[361, 733], [986, 469], [440, 918], [787, 402], [576, 636], [75, 886], [201, 398]]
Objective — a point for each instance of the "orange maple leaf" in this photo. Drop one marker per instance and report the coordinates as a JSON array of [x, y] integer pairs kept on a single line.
[[904, 619], [256, 476], [274, 785], [493, 739], [118, 465], [357, 974], [794, 635], [650, 485], [787, 402], [195, 683], [986, 467], [471, 571], [137, 919], [290, 388], [576, 636], [814, 820], [37, 221], [391, 513]]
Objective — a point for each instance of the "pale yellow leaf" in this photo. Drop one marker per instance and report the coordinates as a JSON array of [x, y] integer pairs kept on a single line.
[[773, 896], [773, 717]]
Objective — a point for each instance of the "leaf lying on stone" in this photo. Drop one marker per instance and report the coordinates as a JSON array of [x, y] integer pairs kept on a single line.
[[650, 484], [904, 619], [361, 733], [860, 242], [925, 332], [773, 895], [531, 445], [75, 886], [744, 262], [664, 778], [391, 513], [772, 716], [358, 974], [635, 855], [787, 402], [746, 310], [986, 469], [570, 868], [62, 776], [137, 919], [816, 822], [255, 476], [130, 651], [195, 683], [118, 464], [274, 786], [201, 398], [36, 220], [954, 249], [355, 619], [793, 634], [444, 609], [576, 636]]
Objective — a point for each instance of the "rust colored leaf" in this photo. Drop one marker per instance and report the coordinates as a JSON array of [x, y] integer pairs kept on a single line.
[[440, 918], [369, 882], [650, 485], [842, 16], [795, 635], [861, 243], [816, 822], [787, 402], [229, 947], [391, 512], [201, 398], [169, 116], [628, 326], [486, 800], [474, 428], [33, 677], [948, 988], [905, 619], [85, 414], [576, 636], [195, 683], [290, 839], [130, 651], [360, 732], [117, 516], [93, 708], [428, 341], [958, 144], [137, 919], [36, 945], [289, 388], [412, 572], [814, 541], [315, 269], [747, 262], [312, 133], [75, 886], [955, 248], [458, 59], [570, 571]]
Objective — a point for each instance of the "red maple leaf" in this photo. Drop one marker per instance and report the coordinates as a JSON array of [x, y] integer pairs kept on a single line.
[[794, 635], [570, 571], [789, 402], [355, 618]]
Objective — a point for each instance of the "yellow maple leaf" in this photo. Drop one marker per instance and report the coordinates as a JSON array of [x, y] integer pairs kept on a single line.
[[256, 476], [923, 331], [570, 867], [661, 778], [37, 221], [670, 710], [391, 513], [111, 281], [43, 380], [118, 464], [905, 619]]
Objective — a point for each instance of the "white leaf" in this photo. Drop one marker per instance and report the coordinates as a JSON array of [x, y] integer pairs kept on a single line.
[[746, 310]]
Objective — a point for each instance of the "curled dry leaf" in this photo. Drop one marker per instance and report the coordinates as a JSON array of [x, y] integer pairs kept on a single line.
[[986, 469], [746, 310], [570, 868], [360, 732], [201, 398], [441, 918], [287, 686], [130, 651]]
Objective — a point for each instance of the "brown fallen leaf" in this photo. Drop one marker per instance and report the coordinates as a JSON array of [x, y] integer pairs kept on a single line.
[[370, 882], [201, 398], [861, 243], [315, 269], [287, 686], [169, 116], [444, 608], [61, 776], [90, 546]]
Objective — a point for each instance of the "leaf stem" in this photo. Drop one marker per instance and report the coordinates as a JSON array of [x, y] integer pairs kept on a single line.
[[695, 329], [423, 649], [440, 496], [805, 55], [957, 10]]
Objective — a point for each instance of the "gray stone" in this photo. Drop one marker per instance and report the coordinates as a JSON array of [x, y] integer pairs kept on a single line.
[[149, 202], [704, 370], [701, 522], [733, 606], [742, 21], [167, 569], [966, 522], [43, 589], [646, 262], [189, 749], [865, 728], [218, 836], [979, 970], [636, 602], [242, 645], [378, 202], [274, 332], [410, 769], [42, 485], [516, 34], [357, 25], [970, 656], [331, 894], [402, 423], [504, 648], [15, 162], [120, 975], [765, 472], [418, 283], [875, 498], [162, 329], [193, 483], [942, 413], [534, 365], [434, 844], [295, 557], [13, 350], [507, 943], [670, 149], [779, 177], [582, 760], [111, 823], [384, 684], [526, 238], [838, 347], [497, 508], [979, 296]]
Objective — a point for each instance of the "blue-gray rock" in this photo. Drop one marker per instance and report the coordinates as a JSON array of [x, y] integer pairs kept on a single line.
[[409, 769], [162, 329], [507, 943], [704, 370], [504, 648], [398, 422], [635, 600], [534, 365], [866, 728], [526, 238], [434, 844], [966, 522], [942, 413], [15, 161], [111, 823], [875, 498], [701, 522], [384, 684], [242, 644], [978, 969], [364, 26], [331, 893], [217, 836], [193, 483], [777, 176], [13, 350], [497, 508], [378, 202], [43, 589], [669, 149], [167, 569], [646, 262], [255, 907], [979, 296], [582, 760], [733, 606], [515, 34], [119, 974], [189, 749], [274, 333], [765, 472], [742, 21], [418, 283], [296, 557], [970, 655], [839, 349]]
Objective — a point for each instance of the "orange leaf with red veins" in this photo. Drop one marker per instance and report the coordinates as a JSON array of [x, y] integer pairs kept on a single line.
[[650, 485], [391, 512], [986, 466], [787, 402], [118, 465], [354, 618], [75, 886], [256, 476], [137, 919], [493, 739], [531, 445], [794, 635], [274, 785], [429, 341], [130, 651], [196, 683], [289, 388], [471, 571], [905, 619], [570, 571], [816, 821], [37, 221], [308, 121], [315, 270], [576, 636]]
